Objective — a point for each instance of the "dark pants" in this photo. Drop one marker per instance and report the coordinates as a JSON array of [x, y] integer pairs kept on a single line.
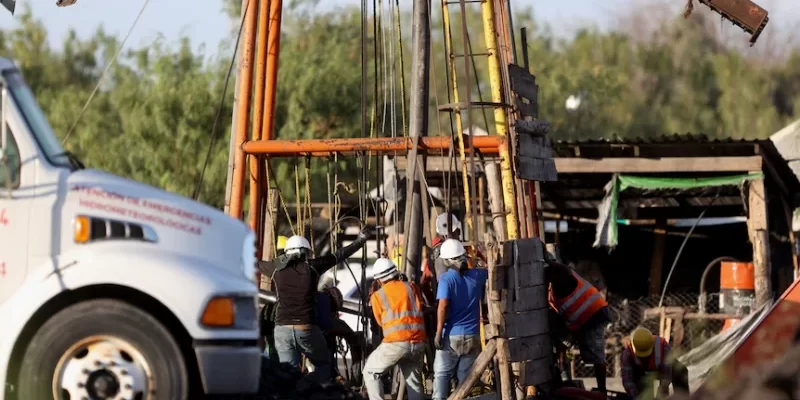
[[680, 378]]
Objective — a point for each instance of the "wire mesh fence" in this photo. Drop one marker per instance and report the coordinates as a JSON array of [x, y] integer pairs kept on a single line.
[[676, 320]]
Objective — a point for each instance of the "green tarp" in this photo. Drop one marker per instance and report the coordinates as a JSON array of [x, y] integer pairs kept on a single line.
[[607, 220]]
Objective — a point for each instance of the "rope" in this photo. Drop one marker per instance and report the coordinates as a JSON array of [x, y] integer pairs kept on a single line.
[[108, 67], [309, 216], [280, 198], [220, 106], [299, 214]]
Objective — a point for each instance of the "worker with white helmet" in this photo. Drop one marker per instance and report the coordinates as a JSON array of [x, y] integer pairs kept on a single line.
[[295, 277], [645, 354], [397, 307], [457, 339]]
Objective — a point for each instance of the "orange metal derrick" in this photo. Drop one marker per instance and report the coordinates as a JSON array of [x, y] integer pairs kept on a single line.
[[373, 146]]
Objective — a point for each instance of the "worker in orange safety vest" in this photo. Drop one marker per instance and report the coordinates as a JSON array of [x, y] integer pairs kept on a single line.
[[644, 354], [398, 310], [584, 311]]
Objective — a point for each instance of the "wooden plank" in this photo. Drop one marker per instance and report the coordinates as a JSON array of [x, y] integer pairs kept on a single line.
[[653, 165], [531, 347], [537, 169], [618, 165], [528, 323]]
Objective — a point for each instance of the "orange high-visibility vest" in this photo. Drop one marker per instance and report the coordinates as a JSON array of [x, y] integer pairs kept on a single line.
[[580, 305], [398, 310], [655, 360]]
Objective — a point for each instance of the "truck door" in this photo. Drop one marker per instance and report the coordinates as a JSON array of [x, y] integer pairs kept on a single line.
[[16, 194]]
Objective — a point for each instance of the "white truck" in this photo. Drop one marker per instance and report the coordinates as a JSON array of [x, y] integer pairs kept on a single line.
[[111, 289]]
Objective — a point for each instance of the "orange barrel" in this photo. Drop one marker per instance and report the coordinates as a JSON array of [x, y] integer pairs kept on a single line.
[[737, 292], [729, 323]]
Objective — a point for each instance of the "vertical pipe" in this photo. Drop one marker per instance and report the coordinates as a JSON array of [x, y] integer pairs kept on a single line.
[[418, 113], [243, 111], [501, 125], [273, 53], [448, 40], [258, 118], [232, 142]]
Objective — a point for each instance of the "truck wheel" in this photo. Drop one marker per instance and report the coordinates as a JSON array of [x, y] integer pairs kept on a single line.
[[103, 349]]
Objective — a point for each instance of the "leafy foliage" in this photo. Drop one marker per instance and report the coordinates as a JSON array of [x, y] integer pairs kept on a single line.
[[152, 118]]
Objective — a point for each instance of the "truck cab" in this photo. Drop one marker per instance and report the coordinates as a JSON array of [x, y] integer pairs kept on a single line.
[[109, 288]]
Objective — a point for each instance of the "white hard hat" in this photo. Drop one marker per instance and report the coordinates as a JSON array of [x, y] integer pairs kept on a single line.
[[451, 248], [441, 224], [384, 269], [295, 244]]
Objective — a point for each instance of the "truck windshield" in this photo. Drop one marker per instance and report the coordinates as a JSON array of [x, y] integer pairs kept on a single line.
[[36, 120]]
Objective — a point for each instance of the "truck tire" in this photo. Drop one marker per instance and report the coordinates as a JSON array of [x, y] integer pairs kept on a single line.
[[97, 348]]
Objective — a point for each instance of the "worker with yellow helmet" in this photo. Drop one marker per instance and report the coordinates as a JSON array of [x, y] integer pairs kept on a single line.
[[645, 354]]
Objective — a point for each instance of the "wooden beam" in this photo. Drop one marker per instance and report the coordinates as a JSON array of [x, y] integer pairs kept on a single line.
[[654, 165], [622, 165], [758, 228]]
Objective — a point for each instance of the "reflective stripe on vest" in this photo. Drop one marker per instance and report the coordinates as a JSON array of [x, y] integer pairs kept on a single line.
[[654, 362], [389, 315], [576, 317]]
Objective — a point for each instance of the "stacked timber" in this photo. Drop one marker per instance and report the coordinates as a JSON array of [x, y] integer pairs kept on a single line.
[[527, 325]]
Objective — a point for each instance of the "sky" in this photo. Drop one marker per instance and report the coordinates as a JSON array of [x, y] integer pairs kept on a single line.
[[209, 25]]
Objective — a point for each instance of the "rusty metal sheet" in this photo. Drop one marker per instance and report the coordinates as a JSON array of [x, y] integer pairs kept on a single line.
[[529, 323], [536, 169], [526, 299], [534, 146], [523, 83], [531, 347], [526, 251], [532, 128], [526, 109], [537, 371], [745, 14], [525, 275]]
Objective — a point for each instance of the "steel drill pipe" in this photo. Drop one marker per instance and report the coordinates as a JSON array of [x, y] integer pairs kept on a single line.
[[382, 145]]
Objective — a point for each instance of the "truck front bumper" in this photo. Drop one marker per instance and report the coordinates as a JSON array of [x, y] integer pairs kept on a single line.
[[229, 368]]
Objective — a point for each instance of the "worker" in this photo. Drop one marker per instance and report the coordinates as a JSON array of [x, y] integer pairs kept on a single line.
[[457, 341], [397, 307], [584, 312], [646, 353], [295, 277]]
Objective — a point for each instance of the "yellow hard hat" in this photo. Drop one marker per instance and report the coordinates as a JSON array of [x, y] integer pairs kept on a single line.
[[642, 342], [282, 242]]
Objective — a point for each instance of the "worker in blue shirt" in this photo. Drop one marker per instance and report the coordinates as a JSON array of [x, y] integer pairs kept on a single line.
[[458, 342]]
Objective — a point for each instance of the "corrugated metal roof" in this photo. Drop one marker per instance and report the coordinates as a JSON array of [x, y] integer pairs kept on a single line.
[[675, 138]]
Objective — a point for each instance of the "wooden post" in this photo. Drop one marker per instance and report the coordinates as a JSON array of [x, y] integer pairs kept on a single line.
[[757, 227], [657, 262], [480, 365]]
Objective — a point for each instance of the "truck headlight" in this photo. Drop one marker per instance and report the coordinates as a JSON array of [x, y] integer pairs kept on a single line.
[[249, 256]]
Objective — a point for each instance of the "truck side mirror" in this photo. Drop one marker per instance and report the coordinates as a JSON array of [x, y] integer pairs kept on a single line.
[[9, 163]]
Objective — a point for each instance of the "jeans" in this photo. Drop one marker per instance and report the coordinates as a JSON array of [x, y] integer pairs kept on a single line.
[[290, 342], [458, 354], [408, 356]]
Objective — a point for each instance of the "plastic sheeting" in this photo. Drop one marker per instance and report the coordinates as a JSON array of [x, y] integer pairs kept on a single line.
[[606, 234], [701, 361]]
